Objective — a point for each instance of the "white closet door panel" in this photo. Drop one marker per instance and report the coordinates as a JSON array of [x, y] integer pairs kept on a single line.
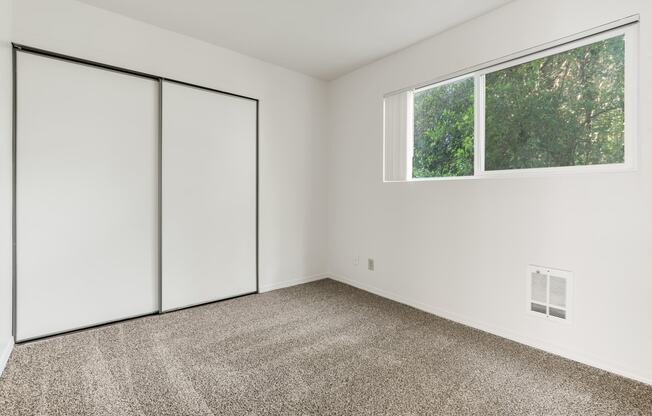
[[87, 141], [209, 196]]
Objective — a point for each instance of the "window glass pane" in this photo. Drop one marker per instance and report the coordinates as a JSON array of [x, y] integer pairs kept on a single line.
[[565, 109], [443, 130]]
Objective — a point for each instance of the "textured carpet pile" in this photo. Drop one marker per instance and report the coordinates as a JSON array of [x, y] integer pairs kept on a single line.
[[319, 348]]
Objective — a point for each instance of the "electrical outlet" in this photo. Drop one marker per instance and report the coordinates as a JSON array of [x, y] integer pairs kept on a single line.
[[370, 264], [356, 260]]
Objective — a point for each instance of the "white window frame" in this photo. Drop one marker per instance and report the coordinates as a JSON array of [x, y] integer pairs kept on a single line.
[[475, 128], [629, 31]]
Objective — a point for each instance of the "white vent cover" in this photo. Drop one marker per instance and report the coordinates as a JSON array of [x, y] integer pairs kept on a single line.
[[548, 292]]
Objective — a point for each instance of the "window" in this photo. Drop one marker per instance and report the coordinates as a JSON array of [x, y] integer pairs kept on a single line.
[[567, 108], [443, 130]]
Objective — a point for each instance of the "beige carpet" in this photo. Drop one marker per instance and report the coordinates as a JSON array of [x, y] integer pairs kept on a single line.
[[319, 348]]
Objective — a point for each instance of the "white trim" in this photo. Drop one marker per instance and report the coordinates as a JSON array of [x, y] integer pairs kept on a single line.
[[5, 354], [524, 53], [534, 173], [558, 170], [440, 178], [631, 95], [442, 83], [409, 137], [567, 46], [384, 164], [292, 282], [478, 129], [537, 343]]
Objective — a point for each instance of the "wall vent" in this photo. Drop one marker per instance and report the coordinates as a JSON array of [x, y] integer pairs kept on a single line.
[[549, 292]]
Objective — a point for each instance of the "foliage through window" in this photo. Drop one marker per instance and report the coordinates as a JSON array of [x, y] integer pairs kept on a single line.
[[443, 130], [565, 109], [559, 109]]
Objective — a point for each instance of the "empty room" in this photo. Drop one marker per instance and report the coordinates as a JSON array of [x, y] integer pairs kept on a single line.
[[326, 207]]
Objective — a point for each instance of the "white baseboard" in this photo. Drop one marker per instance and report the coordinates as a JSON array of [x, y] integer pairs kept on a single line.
[[501, 332], [287, 283], [5, 353]]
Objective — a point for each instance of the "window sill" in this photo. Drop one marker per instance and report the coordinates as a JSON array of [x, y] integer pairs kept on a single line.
[[533, 173]]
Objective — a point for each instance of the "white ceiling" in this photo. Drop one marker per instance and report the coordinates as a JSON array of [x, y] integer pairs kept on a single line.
[[321, 38]]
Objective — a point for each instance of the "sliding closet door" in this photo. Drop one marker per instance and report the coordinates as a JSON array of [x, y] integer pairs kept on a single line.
[[86, 196], [209, 196]]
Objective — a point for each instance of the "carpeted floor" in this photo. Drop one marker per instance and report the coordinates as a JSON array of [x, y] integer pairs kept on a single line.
[[318, 348]]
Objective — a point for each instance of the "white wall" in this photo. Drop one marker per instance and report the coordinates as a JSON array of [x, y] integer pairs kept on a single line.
[[5, 179], [292, 204], [460, 248]]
